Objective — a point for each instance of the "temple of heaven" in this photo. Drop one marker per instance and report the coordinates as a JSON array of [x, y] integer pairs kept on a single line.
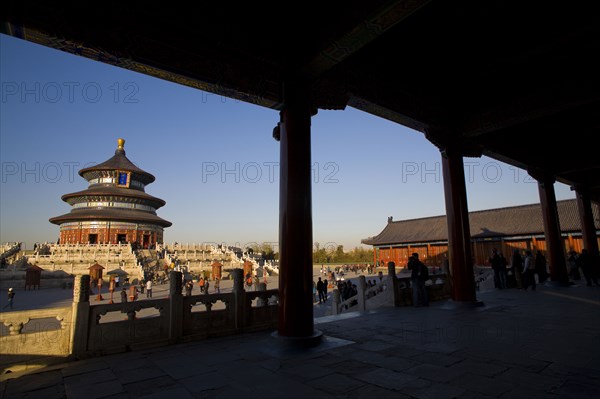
[[114, 208]]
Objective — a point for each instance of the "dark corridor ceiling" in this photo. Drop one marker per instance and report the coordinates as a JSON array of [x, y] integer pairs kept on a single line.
[[515, 80]]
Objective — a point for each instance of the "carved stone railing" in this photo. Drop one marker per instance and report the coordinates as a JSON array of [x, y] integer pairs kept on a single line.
[[128, 332], [34, 337], [437, 286], [85, 330], [217, 318], [392, 291], [363, 300], [8, 250], [261, 309]]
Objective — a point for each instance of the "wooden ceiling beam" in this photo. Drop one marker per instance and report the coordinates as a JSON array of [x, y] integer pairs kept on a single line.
[[370, 28]]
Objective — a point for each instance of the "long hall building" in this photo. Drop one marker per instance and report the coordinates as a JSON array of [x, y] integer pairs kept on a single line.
[[114, 208], [507, 229]]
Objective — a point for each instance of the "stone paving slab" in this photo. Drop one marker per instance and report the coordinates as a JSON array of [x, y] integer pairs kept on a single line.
[[373, 391], [386, 378], [435, 373], [336, 383], [516, 346], [423, 389], [54, 391], [480, 368], [484, 385], [33, 382], [151, 386]]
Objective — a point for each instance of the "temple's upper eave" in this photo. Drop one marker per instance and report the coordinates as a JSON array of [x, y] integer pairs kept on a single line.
[[111, 191], [119, 162]]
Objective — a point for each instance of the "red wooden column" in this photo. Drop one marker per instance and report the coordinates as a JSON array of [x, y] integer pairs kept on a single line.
[[459, 233], [554, 243], [588, 228], [295, 216]]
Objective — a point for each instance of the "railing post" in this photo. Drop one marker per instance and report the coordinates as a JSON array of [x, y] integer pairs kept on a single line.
[[238, 298], [336, 301], [81, 315], [393, 291], [175, 306], [260, 302], [362, 286]]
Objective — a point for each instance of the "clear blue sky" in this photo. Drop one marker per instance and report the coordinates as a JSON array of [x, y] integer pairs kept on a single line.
[[213, 157]]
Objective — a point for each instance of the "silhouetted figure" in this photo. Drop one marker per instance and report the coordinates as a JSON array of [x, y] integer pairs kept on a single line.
[[584, 261], [499, 267], [529, 271], [517, 266], [189, 286], [320, 291], [540, 266], [419, 274], [573, 265]]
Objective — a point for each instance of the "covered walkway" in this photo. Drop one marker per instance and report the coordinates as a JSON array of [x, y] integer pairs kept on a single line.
[[525, 73]]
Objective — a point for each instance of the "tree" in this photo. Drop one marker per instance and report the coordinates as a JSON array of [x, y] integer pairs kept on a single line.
[[319, 254], [340, 256], [265, 249]]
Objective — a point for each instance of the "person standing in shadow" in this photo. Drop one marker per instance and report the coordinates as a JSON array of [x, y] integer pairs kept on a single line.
[[418, 276], [540, 266], [517, 266], [529, 271], [585, 263]]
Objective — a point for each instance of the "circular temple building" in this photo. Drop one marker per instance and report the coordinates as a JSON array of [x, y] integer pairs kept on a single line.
[[114, 208]]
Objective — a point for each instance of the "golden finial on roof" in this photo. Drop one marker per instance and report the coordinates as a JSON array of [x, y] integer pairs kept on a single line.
[[121, 144]]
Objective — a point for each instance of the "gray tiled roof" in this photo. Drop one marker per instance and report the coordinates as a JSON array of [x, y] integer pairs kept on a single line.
[[499, 222], [120, 162]]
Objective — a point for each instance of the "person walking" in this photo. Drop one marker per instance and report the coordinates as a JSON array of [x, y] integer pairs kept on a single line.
[[11, 299], [149, 289]]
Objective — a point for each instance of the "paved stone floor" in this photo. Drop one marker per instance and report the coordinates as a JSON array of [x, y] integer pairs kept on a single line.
[[521, 344]]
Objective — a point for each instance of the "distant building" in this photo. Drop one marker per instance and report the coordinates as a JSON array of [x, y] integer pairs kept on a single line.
[[517, 227], [114, 208]]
